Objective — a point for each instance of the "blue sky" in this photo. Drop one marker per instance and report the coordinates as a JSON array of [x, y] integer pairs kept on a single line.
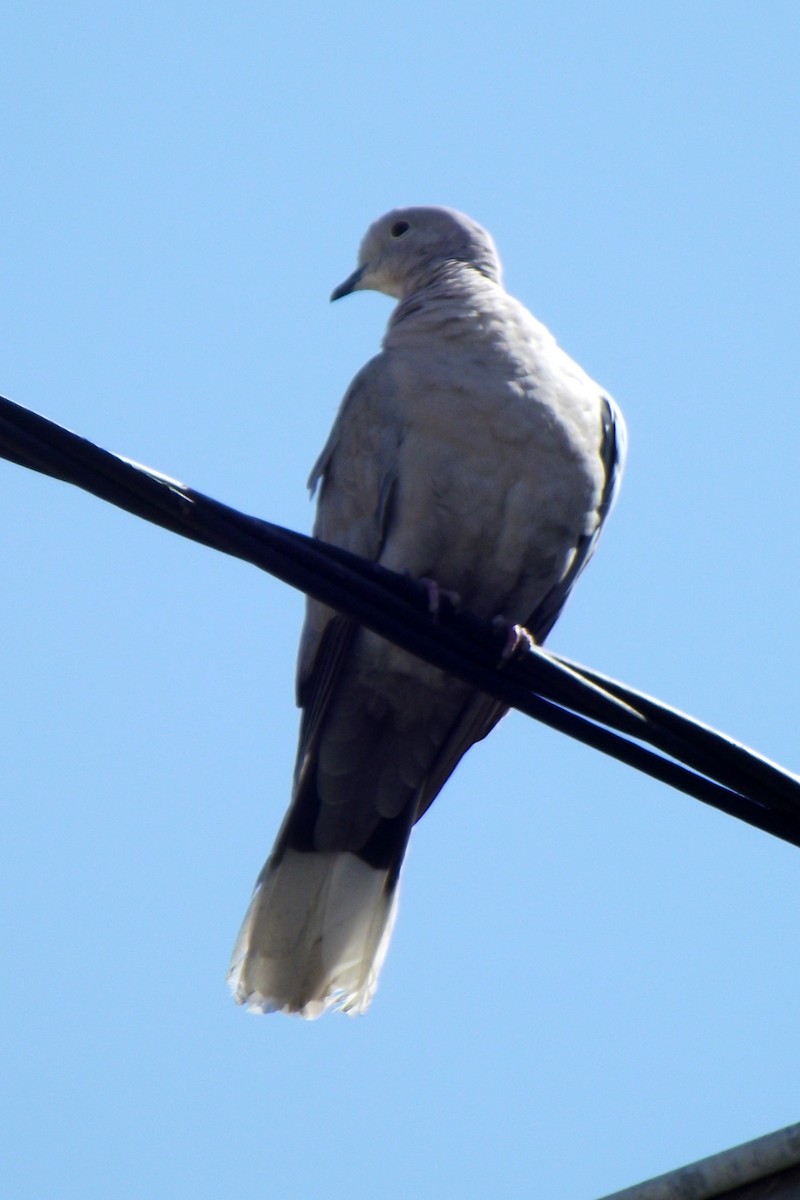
[[593, 979]]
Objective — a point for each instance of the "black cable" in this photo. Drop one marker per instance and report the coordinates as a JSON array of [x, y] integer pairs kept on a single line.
[[589, 707]]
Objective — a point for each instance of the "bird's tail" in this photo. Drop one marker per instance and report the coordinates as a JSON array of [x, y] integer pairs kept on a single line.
[[315, 935]]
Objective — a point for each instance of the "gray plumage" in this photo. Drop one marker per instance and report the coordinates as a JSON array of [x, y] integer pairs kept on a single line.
[[473, 452]]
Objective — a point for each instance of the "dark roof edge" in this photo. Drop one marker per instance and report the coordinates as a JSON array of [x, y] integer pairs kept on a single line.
[[715, 1176]]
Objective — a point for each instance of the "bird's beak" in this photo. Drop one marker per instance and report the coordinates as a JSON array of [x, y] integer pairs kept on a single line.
[[350, 284]]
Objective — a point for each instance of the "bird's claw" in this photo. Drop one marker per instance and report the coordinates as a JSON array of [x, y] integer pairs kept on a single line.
[[518, 642], [437, 594]]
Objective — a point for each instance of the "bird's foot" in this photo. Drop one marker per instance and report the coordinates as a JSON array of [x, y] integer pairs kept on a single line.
[[437, 595], [518, 642]]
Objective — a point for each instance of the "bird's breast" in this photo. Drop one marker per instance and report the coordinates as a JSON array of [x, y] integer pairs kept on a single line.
[[492, 489]]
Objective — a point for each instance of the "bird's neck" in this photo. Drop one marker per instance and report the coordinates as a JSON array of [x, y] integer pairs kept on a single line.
[[450, 295]]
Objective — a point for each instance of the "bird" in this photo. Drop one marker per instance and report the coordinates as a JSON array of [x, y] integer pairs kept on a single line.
[[472, 453]]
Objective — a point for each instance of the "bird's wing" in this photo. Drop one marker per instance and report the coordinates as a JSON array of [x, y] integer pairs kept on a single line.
[[612, 456], [356, 474], [481, 713]]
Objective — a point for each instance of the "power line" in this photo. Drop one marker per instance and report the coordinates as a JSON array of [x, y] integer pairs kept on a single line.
[[592, 708]]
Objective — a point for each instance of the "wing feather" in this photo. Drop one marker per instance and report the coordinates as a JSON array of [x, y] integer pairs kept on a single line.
[[356, 475], [481, 713]]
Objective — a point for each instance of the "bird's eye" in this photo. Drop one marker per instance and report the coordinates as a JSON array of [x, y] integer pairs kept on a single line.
[[399, 228]]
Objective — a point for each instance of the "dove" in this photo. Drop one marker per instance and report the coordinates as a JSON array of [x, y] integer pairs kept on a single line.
[[471, 453]]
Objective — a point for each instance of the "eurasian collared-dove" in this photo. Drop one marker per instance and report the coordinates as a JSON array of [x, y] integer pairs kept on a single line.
[[471, 452]]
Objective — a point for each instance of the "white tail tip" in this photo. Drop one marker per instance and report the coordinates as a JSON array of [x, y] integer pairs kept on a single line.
[[314, 937]]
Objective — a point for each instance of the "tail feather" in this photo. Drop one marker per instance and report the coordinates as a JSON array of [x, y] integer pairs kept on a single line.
[[315, 935]]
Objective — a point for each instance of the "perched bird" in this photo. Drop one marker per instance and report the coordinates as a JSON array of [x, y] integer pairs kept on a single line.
[[471, 452]]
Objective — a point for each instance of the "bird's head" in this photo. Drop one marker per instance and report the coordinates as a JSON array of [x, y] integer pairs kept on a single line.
[[403, 247]]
